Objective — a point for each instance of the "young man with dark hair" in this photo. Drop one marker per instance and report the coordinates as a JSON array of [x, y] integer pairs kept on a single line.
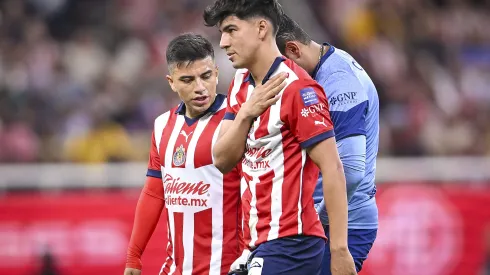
[[354, 108], [202, 205], [277, 124]]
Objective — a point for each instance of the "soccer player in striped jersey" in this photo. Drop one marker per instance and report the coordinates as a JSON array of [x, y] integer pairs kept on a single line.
[[282, 137], [202, 205], [354, 108]]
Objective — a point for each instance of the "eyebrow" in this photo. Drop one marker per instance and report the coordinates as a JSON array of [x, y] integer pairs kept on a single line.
[[228, 27], [191, 77], [207, 72]]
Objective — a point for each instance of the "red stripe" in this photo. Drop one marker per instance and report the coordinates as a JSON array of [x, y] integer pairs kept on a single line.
[[203, 235], [232, 220], [263, 130], [246, 199], [179, 242], [241, 96], [203, 153], [309, 217], [263, 192], [167, 131]]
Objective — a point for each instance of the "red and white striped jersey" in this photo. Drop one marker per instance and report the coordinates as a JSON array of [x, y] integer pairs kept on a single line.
[[278, 177], [202, 204]]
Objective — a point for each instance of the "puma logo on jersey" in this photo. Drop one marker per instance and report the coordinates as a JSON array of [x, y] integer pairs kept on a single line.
[[186, 135], [321, 122]]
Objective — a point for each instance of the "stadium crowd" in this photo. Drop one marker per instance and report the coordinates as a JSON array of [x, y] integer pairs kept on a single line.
[[82, 81]]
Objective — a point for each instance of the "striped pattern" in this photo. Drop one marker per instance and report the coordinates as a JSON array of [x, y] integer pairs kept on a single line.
[[278, 177], [202, 204]]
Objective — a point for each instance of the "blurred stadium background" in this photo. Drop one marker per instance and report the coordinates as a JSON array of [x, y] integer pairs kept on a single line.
[[81, 82]]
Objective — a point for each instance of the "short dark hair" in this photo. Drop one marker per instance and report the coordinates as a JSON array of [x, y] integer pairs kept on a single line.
[[187, 48], [289, 30], [243, 9]]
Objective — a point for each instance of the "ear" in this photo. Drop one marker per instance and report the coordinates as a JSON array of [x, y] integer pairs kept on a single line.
[[171, 83], [293, 50], [264, 28]]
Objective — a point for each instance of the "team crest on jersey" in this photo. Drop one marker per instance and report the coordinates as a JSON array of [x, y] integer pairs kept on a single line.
[[179, 156]]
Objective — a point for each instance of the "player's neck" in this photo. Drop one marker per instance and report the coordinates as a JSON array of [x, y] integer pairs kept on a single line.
[[315, 53], [264, 59]]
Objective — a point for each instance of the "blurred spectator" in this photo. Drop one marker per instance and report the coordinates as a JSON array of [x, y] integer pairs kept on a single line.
[[83, 80]]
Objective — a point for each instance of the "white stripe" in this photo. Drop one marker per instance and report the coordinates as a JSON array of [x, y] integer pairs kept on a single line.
[[160, 123], [171, 225], [173, 138], [254, 218], [250, 91], [277, 162], [237, 83], [188, 242], [300, 208], [191, 148], [217, 230]]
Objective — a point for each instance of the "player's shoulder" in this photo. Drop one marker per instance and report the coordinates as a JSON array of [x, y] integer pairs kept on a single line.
[[161, 120], [340, 65], [298, 79]]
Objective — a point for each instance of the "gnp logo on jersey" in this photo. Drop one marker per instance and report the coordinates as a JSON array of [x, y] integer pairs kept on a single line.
[[179, 156], [313, 110], [344, 98], [309, 96], [181, 193]]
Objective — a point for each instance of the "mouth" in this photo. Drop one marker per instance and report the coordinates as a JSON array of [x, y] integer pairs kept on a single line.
[[201, 100], [230, 55]]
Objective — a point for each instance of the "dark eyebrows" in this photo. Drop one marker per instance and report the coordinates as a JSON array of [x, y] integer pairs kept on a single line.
[[228, 27], [206, 72]]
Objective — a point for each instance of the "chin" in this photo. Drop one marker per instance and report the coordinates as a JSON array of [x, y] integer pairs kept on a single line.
[[237, 65]]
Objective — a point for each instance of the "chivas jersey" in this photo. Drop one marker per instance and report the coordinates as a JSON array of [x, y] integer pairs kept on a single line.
[[278, 176], [202, 204]]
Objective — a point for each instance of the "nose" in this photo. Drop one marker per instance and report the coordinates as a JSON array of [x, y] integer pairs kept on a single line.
[[199, 86], [224, 41]]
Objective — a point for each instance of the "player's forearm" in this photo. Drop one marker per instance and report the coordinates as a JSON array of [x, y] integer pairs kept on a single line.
[[335, 197], [148, 211], [229, 148]]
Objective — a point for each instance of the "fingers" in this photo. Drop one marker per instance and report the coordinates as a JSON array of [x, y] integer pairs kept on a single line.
[[276, 89], [273, 100]]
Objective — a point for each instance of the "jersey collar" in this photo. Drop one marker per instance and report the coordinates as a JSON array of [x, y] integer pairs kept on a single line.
[[272, 69], [218, 101], [322, 60]]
